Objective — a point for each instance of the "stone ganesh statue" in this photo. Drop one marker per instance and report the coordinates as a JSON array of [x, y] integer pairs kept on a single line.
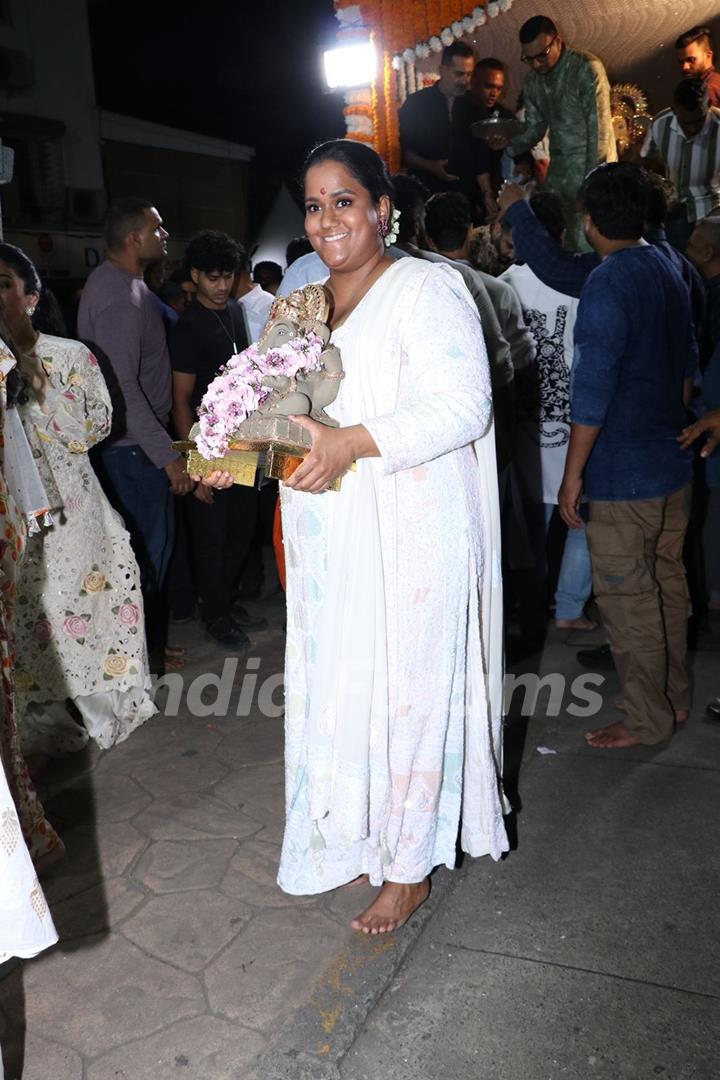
[[304, 311], [307, 395], [268, 437]]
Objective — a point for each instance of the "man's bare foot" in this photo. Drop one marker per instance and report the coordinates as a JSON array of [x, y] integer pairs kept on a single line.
[[583, 623], [393, 907], [361, 879], [614, 735]]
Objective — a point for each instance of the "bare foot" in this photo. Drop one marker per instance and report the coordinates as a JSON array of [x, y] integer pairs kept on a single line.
[[614, 735], [392, 908], [583, 623], [361, 879]]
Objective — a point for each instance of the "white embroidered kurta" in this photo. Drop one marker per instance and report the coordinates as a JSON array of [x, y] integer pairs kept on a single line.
[[79, 620], [26, 927], [393, 664]]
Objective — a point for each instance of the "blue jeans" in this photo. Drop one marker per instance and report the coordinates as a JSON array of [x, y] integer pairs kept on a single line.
[[575, 578], [140, 493]]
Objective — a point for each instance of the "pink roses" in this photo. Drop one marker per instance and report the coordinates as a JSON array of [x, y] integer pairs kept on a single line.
[[76, 626], [129, 614]]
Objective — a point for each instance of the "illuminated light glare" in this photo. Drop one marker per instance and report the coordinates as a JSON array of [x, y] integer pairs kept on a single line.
[[350, 65]]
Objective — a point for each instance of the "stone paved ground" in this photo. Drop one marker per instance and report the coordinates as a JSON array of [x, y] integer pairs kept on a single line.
[[180, 957]]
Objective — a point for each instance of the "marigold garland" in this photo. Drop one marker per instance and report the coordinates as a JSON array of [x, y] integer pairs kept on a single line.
[[397, 27]]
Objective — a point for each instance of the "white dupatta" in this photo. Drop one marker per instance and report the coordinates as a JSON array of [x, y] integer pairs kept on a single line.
[[351, 703]]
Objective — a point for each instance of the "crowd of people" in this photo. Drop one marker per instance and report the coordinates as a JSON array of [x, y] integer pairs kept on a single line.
[[549, 379]]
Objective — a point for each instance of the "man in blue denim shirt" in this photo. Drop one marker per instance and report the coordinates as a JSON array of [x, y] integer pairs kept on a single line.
[[635, 354]]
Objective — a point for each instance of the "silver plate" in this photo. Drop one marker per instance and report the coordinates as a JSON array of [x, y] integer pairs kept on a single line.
[[507, 127]]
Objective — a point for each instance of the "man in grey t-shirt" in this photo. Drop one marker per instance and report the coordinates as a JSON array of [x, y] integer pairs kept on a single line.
[[137, 465]]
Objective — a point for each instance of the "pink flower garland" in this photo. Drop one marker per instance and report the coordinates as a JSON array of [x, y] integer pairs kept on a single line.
[[237, 390]]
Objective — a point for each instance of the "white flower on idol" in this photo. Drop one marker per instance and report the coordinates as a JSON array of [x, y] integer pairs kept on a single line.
[[447, 37]]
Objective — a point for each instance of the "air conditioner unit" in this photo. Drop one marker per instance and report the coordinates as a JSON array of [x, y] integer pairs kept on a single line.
[[87, 206], [16, 71]]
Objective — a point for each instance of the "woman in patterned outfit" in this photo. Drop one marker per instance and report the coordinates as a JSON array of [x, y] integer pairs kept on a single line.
[[43, 843], [80, 627]]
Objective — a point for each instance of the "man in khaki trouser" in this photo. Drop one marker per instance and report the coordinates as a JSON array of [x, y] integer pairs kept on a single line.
[[635, 355]]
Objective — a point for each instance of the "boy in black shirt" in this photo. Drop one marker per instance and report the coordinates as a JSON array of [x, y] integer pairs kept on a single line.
[[222, 523]]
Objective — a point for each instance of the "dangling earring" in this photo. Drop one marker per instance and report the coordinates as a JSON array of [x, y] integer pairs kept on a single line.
[[382, 227], [30, 311]]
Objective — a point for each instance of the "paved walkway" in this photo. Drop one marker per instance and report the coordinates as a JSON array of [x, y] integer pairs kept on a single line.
[[587, 953]]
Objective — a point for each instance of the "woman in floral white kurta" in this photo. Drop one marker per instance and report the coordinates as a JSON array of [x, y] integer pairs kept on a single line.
[[79, 626]]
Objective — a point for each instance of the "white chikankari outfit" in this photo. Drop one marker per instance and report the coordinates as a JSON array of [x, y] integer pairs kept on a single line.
[[394, 654], [79, 620]]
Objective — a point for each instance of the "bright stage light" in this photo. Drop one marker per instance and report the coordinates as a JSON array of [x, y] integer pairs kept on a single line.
[[350, 65]]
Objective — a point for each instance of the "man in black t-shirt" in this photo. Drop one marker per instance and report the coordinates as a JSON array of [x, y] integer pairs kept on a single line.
[[222, 523], [428, 134], [480, 103]]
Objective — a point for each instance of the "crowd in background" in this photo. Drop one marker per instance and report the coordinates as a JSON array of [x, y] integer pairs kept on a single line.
[[120, 540]]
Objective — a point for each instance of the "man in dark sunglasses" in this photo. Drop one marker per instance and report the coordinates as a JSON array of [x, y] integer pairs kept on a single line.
[[567, 94]]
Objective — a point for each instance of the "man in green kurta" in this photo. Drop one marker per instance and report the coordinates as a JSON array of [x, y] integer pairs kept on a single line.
[[567, 94]]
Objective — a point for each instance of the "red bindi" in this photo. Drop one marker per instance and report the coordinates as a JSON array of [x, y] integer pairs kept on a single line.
[[323, 191]]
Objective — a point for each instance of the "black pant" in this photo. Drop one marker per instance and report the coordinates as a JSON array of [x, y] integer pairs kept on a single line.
[[221, 535], [180, 584]]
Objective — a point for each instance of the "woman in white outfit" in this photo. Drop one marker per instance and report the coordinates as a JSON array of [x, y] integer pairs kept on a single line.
[[393, 664]]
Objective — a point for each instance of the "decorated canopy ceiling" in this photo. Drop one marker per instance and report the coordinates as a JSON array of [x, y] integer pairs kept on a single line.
[[633, 37]]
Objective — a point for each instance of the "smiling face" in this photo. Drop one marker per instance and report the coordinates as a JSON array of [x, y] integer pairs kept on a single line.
[[341, 219]]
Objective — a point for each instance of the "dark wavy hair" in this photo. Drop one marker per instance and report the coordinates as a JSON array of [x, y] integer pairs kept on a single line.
[[211, 250], [361, 161]]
